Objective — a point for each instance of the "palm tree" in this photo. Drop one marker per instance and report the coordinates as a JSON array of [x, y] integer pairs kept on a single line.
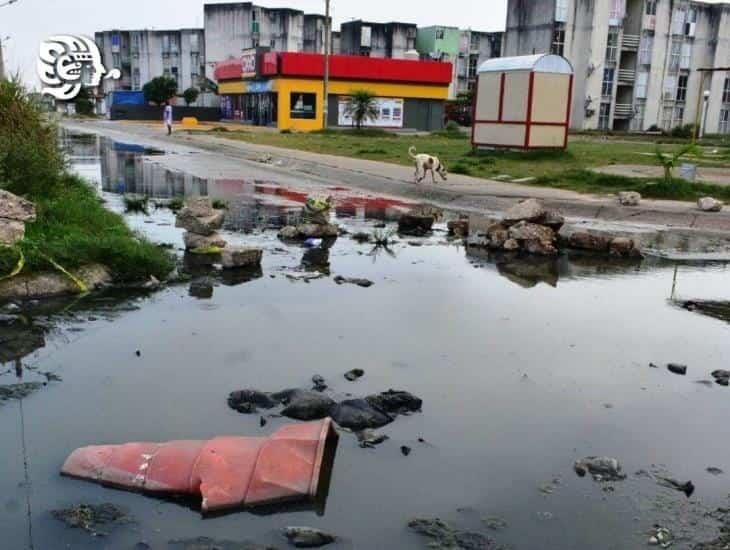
[[361, 107], [669, 162]]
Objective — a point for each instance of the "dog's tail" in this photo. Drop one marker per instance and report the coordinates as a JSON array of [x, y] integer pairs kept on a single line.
[[412, 152]]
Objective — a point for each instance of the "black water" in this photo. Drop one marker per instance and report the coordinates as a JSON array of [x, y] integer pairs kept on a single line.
[[523, 368]]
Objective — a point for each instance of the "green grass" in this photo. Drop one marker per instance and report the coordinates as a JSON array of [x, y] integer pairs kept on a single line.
[[567, 169], [74, 229]]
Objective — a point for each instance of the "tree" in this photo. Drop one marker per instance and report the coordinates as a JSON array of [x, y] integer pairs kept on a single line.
[[191, 95], [160, 89], [83, 103], [361, 107], [669, 162]]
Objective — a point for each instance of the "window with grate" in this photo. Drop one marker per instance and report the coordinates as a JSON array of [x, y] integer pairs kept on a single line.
[[612, 45], [724, 127], [667, 113], [726, 90], [675, 54], [607, 87], [682, 88], [651, 7], [558, 45], [604, 116], [642, 84], [646, 49]]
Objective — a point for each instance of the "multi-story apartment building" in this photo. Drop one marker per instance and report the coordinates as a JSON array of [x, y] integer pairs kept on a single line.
[[636, 61], [233, 27], [142, 55], [466, 49], [393, 40]]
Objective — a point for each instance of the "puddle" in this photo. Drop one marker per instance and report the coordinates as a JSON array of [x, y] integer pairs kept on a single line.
[[523, 366]]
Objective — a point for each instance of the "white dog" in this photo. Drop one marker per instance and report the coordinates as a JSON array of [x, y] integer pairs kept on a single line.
[[425, 164]]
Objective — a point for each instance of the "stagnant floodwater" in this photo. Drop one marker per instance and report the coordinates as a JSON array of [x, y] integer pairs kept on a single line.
[[523, 368]]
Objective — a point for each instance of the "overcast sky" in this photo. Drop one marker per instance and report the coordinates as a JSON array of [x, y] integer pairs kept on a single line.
[[28, 22]]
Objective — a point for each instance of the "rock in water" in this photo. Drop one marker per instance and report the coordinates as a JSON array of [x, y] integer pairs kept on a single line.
[[305, 404], [370, 438], [233, 257], [623, 247], [629, 198], [583, 240], [307, 537], [319, 383], [722, 377], [288, 233], [709, 204], [530, 210], [511, 245], [498, 235], [677, 369], [354, 374], [317, 231], [458, 228], [395, 402], [200, 225], [601, 468], [415, 223], [358, 414], [554, 220], [248, 401], [193, 241], [536, 239]]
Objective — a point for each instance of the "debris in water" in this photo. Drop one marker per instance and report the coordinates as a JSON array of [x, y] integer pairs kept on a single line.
[[661, 537], [307, 537], [722, 377], [715, 471], [206, 543], [91, 518], [405, 450], [370, 438], [687, 487], [262, 421], [601, 468], [319, 383], [226, 472], [354, 374], [359, 414], [447, 537], [495, 523], [364, 283], [248, 401], [396, 402], [677, 369], [138, 353], [305, 404]]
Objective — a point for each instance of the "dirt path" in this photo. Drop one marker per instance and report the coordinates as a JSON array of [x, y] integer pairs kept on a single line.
[[676, 228]]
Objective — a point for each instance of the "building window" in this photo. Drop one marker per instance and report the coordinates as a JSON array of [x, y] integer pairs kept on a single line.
[[675, 54], [303, 105], [724, 127], [604, 116], [679, 17], [136, 84], [612, 45], [273, 43], [670, 87], [642, 84], [651, 7], [473, 64], [558, 45], [645, 49], [682, 88], [439, 34], [678, 116], [667, 113], [726, 90], [686, 59], [607, 88], [561, 11], [474, 42], [116, 61], [637, 123]]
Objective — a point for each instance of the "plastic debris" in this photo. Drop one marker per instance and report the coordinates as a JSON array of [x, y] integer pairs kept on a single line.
[[228, 472]]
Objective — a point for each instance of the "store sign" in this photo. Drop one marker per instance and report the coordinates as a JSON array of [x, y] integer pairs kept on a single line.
[[248, 63], [390, 113], [259, 87]]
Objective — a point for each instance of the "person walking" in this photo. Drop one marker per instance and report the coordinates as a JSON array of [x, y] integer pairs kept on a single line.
[[167, 117]]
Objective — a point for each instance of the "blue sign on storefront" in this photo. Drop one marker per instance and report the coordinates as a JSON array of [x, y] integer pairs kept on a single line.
[[259, 87]]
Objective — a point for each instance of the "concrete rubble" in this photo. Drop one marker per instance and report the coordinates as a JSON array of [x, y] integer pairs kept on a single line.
[[201, 221], [709, 204], [315, 222], [15, 212], [629, 198]]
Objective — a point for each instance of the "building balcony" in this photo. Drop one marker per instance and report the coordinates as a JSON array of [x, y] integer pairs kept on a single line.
[[631, 43], [626, 77], [623, 111]]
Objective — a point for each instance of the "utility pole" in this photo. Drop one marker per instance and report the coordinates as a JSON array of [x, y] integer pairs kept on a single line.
[[327, 42], [2, 62]]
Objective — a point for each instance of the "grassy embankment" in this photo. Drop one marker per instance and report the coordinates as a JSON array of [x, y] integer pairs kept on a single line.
[[73, 228], [562, 169]]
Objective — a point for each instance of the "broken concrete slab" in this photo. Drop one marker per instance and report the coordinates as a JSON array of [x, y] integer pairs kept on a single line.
[[194, 241]]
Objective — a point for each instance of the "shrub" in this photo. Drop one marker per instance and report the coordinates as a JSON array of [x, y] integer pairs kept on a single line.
[[191, 95], [460, 168], [686, 131]]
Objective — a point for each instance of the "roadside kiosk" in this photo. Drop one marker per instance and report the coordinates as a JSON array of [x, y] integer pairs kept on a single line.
[[523, 102]]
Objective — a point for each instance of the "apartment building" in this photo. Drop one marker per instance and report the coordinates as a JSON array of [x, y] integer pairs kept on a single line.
[[231, 28], [636, 61], [391, 40], [465, 49], [142, 55]]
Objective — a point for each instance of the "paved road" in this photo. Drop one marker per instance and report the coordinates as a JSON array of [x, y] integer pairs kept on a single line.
[[672, 226]]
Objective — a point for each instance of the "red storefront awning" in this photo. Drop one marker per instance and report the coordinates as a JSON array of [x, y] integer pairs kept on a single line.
[[231, 69]]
